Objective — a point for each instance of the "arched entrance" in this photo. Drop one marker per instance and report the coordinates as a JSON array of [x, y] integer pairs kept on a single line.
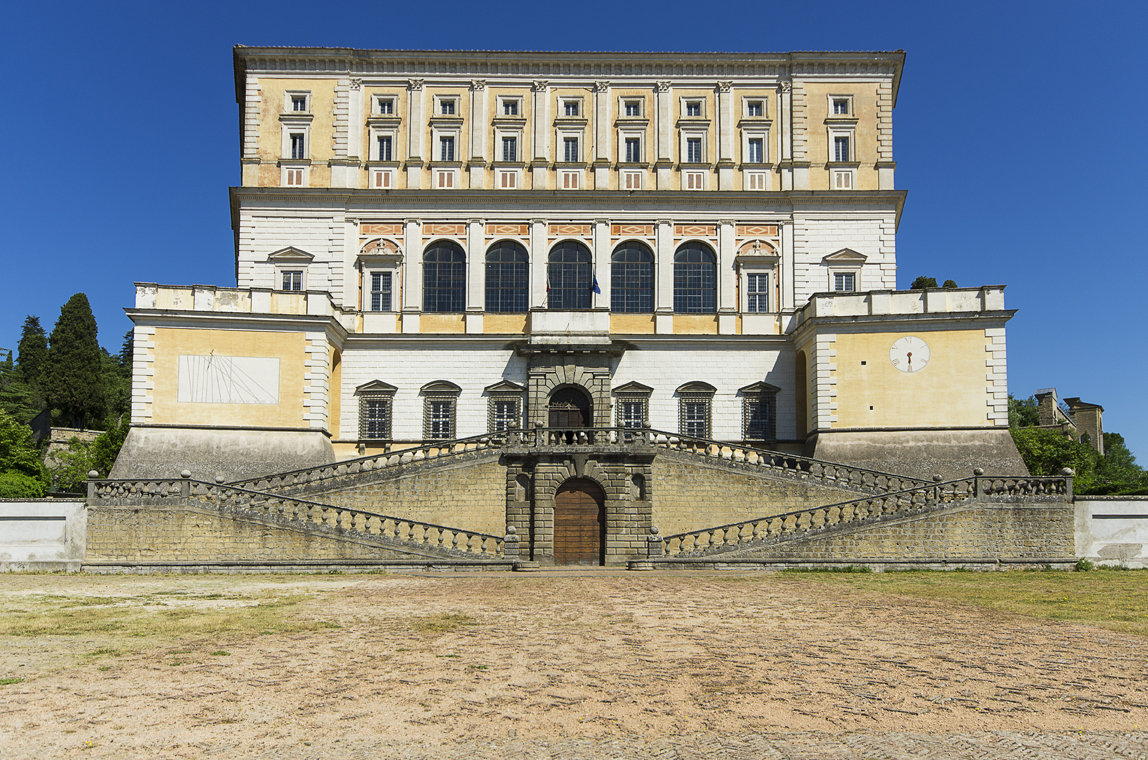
[[570, 408], [579, 523]]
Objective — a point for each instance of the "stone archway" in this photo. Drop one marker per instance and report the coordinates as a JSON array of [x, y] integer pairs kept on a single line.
[[579, 523], [570, 407]]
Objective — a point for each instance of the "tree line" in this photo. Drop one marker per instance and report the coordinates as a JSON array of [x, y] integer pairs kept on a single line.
[[79, 384]]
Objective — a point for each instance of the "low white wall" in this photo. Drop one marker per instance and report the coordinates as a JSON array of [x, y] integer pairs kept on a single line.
[[1113, 530], [42, 534]]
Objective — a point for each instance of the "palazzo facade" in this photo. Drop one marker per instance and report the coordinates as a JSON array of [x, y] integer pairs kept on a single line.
[[436, 245]]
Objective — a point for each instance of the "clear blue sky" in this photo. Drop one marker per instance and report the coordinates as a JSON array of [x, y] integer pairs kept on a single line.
[[1019, 135]]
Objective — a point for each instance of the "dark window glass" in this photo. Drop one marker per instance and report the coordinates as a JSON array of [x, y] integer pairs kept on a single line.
[[633, 150], [695, 417], [504, 414], [632, 279], [298, 146], [757, 419], [757, 292], [444, 279], [380, 291], [695, 280], [569, 277], [632, 414], [440, 418], [293, 280], [506, 279], [385, 148], [375, 418]]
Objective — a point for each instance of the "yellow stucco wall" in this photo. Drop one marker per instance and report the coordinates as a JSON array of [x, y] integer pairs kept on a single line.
[[632, 324], [288, 347], [442, 323], [322, 91], [504, 324], [695, 324], [949, 391], [864, 96]]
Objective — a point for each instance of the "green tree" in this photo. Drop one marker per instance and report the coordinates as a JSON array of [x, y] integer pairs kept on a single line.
[[32, 351], [72, 379], [117, 387], [923, 282], [73, 464], [1118, 472], [1046, 452], [22, 473], [949, 284], [1022, 413], [17, 399]]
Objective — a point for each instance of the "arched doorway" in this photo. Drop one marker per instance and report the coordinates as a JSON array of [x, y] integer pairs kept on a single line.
[[579, 523], [570, 408]]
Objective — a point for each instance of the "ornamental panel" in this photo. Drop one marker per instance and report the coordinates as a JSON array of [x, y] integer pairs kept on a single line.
[[618, 230], [455, 230], [520, 230], [368, 230], [703, 230], [571, 229], [755, 230]]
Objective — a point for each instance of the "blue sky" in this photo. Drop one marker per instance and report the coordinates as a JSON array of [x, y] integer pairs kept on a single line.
[[1015, 135]]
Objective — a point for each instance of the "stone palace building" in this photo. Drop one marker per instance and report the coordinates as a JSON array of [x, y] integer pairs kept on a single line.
[[434, 245]]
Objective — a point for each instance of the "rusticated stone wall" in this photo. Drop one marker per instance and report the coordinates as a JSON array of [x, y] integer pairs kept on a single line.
[[696, 492], [974, 531]]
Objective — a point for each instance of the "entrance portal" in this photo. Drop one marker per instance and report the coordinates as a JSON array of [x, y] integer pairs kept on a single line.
[[569, 408], [579, 523]]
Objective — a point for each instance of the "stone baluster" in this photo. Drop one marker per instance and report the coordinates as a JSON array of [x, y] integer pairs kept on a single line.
[[654, 544], [510, 544]]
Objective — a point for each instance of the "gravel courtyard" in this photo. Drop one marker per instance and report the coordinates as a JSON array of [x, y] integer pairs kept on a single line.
[[596, 663]]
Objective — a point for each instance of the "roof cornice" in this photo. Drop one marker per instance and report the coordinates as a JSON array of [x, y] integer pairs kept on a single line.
[[563, 64]]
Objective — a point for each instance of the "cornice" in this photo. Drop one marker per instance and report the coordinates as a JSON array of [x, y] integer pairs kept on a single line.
[[563, 65]]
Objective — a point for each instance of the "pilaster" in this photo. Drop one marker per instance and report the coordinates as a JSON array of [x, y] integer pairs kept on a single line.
[[541, 159], [538, 260], [475, 275], [602, 263], [664, 268], [664, 104], [478, 134], [416, 97], [412, 275]]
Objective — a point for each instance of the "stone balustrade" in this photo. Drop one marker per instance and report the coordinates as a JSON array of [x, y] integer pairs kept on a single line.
[[410, 534], [782, 527]]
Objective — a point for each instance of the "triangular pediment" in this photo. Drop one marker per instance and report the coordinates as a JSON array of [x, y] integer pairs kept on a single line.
[[375, 386], [290, 255], [441, 386], [634, 388], [845, 256], [506, 386], [757, 388], [696, 387]]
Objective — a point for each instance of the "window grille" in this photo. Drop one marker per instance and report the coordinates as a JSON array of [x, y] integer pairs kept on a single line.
[[693, 150], [632, 279], [844, 282], [439, 418], [375, 417], [841, 148], [504, 413], [444, 279], [633, 412], [569, 277], [757, 417], [570, 150], [293, 280], [694, 416], [507, 279], [695, 280]]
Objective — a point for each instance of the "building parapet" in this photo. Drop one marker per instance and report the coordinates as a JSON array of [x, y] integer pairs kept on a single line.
[[209, 298], [874, 303]]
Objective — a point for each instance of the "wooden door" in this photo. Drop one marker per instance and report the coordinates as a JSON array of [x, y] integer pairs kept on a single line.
[[569, 408], [579, 523]]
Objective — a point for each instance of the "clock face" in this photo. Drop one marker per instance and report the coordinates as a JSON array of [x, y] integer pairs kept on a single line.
[[909, 354]]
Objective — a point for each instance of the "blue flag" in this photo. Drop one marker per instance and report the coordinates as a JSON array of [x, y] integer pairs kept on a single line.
[[595, 287]]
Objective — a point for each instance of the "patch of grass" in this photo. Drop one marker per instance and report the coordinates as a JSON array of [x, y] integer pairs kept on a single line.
[[830, 569], [444, 622], [1117, 601], [10, 681], [220, 653]]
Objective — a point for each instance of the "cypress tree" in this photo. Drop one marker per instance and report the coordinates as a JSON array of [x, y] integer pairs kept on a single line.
[[72, 379], [32, 351]]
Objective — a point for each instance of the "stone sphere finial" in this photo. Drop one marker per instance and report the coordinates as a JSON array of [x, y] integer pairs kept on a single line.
[[979, 471], [219, 479], [92, 474], [185, 474], [1068, 471], [511, 530], [937, 478], [653, 530]]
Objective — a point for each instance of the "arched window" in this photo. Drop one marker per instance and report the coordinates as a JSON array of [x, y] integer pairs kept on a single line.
[[506, 278], [632, 279], [569, 277], [444, 278], [695, 280]]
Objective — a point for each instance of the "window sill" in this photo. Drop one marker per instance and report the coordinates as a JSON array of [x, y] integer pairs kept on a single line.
[[842, 164], [383, 164], [570, 121], [763, 165], [633, 165], [296, 118], [294, 162], [379, 120], [447, 120], [840, 119], [631, 121]]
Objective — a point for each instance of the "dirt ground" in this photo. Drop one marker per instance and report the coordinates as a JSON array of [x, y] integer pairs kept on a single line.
[[451, 664]]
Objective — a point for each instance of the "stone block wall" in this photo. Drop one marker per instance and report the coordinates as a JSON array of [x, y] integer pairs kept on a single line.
[[187, 533], [694, 492], [974, 531]]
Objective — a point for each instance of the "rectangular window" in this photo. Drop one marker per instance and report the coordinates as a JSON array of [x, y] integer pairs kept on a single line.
[[503, 414], [446, 107], [841, 148], [756, 150], [695, 181], [570, 180], [384, 142], [841, 106], [845, 282], [633, 108], [570, 150], [299, 103], [632, 414], [298, 146], [440, 419], [757, 292], [695, 417], [446, 148], [445, 180], [385, 106], [843, 179], [756, 180], [510, 149], [632, 180], [693, 150], [508, 180], [693, 108], [757, 418], [293, 280], [380, 291], [375, 418], [294, 177], [510, 108], [382, 179], [633, 150], [570, 108], [755, 108]]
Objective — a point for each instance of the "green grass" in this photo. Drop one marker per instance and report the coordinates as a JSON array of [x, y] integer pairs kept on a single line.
[[1112, 600], [444, 622]]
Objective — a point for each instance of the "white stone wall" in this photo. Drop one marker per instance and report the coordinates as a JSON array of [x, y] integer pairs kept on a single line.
[[42, 534], [815, 236], [1113, 530], [319, 233]]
